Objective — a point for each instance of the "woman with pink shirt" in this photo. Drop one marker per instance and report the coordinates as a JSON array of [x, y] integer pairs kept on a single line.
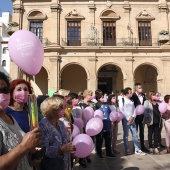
[[166, 116]]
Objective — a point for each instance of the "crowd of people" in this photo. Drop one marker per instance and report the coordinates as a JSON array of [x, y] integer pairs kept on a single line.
[[49, 146]]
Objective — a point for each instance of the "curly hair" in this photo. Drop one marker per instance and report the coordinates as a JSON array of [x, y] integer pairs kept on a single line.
[[50, 104], [14, 83]]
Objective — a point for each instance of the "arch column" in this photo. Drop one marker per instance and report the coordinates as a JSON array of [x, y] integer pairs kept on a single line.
[[165, 81], [92, 81], [54, 78], [129, 81]]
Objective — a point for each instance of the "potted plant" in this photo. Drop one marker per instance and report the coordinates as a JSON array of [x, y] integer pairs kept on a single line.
[[163, 36]]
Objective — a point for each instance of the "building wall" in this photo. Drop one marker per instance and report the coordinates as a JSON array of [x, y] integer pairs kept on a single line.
[[4, 38], [131, 60]]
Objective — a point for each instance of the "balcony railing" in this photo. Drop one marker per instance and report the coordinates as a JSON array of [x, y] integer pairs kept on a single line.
[[45, 42], [110, 42]]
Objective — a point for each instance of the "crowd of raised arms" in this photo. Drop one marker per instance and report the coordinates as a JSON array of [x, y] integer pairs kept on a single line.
[[49, 146]]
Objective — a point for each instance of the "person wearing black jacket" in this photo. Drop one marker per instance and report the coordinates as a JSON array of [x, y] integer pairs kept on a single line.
[[138, 98]]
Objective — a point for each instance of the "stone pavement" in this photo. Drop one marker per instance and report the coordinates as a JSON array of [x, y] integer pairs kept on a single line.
[[131, 162]]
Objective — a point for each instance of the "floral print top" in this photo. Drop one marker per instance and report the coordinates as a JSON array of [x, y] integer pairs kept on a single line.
[[53, 139], [9, 140]]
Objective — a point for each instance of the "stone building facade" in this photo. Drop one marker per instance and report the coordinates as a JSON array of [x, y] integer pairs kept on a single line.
[[4, 38], [105, 44]]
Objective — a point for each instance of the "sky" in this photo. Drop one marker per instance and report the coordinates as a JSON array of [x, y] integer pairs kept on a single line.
[[5, 6]]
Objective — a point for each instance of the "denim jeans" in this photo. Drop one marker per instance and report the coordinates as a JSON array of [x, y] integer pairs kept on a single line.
[[132, 128]]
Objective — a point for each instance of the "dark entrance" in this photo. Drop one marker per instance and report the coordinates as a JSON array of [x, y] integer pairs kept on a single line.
[[105, 84], [110, 79]]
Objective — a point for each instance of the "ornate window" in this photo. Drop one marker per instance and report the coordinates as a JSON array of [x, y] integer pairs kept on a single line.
[[109, 18], [73, 33], [109, 33], [144, 19], [144, 31], [36, 18]]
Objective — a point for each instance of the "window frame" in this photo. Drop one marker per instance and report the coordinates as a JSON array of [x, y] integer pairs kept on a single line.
[[111, 29], [145, 33], [75, 38], [36, 33], [4, 50]]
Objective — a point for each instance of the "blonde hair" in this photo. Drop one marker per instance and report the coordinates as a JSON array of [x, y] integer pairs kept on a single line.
[[50, 104], [87, 92]]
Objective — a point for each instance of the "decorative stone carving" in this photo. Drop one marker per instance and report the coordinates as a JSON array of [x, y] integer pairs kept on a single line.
[[163, 36], [109, 4], [74, 12], [18, 8], [144, 15], [12, 27], [74, 15], [36, 14], [55, 7], [109, 14], [163, 7]]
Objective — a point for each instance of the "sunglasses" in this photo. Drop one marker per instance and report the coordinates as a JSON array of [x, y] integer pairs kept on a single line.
[[5, 90]]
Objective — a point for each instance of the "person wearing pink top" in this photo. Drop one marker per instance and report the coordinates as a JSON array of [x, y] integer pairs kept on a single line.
[[166, 116]]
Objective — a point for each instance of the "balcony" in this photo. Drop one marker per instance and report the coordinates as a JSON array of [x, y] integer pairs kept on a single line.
[[110, 42], [45, 42]]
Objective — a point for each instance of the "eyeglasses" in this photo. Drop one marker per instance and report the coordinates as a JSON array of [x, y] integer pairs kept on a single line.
[[5, 90]]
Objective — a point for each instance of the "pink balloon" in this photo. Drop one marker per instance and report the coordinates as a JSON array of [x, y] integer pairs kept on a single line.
[[120, 116], [94, 126], [76, 131], [88, 113], [99, 114], [140, 109], [26, 51], [113, 116], [79, 123], [84, 145], [162, 107]]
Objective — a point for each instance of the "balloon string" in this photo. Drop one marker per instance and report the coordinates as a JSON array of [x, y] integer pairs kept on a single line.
[[34, 85]]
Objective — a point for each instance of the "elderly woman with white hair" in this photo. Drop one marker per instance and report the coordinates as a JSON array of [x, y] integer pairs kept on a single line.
[[54, 136]]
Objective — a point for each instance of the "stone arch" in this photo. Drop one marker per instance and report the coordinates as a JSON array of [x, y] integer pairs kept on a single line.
[[41, 81], [36, 14], [73, 77], [160, 75], [148, 75], [109, 14], [66, 65], [47, 69], [112, 63], [74, 15], [110, 78]]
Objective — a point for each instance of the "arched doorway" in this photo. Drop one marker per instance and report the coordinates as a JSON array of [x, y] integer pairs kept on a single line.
[[74, 78], [147, 76], [110, 79], [41, 81]]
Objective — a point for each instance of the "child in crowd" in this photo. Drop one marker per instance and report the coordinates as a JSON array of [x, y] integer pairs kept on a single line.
[[112, 105], [106, 131]]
